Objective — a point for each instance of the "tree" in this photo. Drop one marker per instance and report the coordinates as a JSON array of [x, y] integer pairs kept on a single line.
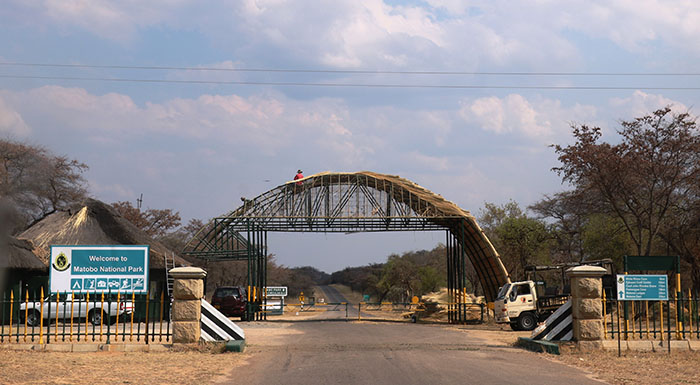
[[176, 240], [604, 236], [520, 240], [153, 222], [682, 234], [38, 182], [569, 215], [640, 179]]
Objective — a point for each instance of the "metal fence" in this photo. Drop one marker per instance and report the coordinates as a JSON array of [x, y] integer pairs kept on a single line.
[[471, 312], [99, 317], [677, 318]]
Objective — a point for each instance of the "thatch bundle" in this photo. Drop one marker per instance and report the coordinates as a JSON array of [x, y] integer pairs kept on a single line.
[[16, 254], [93, 223]]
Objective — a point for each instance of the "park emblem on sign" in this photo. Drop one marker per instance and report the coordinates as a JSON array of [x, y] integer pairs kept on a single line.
[[61, 262]]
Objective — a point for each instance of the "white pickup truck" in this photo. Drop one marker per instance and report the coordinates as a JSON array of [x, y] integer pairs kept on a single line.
[[75, 307], [523, 304], [519, 304]]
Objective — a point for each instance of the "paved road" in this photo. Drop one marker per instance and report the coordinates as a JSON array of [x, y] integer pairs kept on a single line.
[[391, 353], [332, 295]]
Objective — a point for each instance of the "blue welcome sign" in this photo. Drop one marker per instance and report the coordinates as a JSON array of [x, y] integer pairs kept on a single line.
[[642, 287], [114, 268]]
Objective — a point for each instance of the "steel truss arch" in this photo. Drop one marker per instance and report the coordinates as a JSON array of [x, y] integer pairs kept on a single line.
[[353, 202]]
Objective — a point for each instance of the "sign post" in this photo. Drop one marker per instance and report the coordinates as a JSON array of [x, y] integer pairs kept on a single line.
[[83, 269], [274, 295]]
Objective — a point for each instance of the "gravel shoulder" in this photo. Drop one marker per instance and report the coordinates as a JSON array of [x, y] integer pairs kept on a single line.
[[635, 367], [183, 367]]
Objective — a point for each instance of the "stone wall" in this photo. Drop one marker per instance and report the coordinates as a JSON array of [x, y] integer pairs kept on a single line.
[[188, 291], [586, 305]]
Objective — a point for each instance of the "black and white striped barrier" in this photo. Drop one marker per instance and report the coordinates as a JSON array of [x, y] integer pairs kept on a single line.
[[217, 327], [558, 326]]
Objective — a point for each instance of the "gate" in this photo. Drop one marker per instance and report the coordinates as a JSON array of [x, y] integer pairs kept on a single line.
[[101, 317]]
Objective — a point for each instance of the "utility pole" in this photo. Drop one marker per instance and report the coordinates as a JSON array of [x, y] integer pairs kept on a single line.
[[139, 201]]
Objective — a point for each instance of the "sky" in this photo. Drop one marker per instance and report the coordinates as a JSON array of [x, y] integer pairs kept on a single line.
[[485, 88]]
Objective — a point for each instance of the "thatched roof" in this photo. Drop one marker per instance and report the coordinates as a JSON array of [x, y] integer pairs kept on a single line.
[[17, 254], [93, 223]]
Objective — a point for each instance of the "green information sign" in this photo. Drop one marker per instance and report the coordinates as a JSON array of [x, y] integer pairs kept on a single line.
[[99, 268], [633, 287]]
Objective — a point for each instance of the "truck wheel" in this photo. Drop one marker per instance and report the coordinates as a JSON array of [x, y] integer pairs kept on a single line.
[[527, 321], [514, 326]]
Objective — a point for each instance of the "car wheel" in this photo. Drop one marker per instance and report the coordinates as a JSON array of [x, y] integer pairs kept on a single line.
[[95, 316], [514, 326], [33, 318], [527, 321]]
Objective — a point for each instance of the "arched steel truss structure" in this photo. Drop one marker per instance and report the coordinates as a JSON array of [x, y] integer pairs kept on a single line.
[[351, 202]]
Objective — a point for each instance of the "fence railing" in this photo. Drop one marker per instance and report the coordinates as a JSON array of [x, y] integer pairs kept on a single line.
[[470, 312], [677, 318], [100, 317]]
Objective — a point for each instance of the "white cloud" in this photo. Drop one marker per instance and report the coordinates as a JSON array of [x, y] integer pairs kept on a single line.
[[539, 118], [376, 34], [634, 24], [641, 103], [115, 191], [11, 122], [423, 161]]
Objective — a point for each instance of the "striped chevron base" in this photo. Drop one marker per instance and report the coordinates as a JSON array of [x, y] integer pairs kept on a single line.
[[558, 326], [217, 327]]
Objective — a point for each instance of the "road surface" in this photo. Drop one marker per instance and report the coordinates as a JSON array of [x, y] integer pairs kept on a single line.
[[332, 295], [389, 353]]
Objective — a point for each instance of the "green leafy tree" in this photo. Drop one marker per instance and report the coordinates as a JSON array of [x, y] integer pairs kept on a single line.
[[519, 239]]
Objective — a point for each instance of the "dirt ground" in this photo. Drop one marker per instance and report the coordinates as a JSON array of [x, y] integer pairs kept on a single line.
[[636, 367], [204, 367], [184, 367]]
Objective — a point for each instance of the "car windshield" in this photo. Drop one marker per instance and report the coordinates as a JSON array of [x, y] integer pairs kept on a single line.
[[228, 292], [503, 291]]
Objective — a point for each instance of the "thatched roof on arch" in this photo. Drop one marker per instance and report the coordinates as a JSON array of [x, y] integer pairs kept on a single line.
[[93, 223], [421, 203], [17, 254]]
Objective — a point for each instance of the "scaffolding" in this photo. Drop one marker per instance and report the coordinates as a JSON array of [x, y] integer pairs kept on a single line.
[[348, 203]]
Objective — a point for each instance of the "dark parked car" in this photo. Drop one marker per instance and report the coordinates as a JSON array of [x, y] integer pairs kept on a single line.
[[230, 300]]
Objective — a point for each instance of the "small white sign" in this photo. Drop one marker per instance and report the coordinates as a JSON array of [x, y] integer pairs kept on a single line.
[[276, 291]]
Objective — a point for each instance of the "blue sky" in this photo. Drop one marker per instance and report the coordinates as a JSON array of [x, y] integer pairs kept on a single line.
[[199, 148]]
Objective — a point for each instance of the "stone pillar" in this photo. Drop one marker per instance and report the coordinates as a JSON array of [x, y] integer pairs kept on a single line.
[[586, 305], [188, 291]]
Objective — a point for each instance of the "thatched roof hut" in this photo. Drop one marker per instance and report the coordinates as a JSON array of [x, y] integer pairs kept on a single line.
[[16, 254], [94, 223]]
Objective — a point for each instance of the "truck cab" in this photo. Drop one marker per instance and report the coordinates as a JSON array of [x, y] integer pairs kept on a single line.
[[516, 304], [523, 304]]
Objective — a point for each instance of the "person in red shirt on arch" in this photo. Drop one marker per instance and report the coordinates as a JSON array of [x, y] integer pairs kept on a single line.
[[299, 175]]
